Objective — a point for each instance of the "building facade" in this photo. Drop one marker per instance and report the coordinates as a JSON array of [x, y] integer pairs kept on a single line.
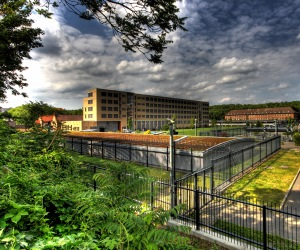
[[263, 114], [111, 110]]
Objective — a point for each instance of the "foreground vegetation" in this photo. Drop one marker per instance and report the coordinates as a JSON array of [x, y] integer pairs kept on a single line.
[[45, 202]]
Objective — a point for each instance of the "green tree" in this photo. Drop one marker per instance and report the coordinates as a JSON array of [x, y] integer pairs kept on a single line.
[[192, 122], [17, 38], [28, 113]]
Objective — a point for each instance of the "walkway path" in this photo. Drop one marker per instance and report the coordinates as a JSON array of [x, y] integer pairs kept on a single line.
[[293, 197]]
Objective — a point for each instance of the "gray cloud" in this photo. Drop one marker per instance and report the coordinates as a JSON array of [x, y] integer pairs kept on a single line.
[[233, 52]]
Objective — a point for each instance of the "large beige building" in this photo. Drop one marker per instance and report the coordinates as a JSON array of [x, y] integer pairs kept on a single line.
[[110, 110]]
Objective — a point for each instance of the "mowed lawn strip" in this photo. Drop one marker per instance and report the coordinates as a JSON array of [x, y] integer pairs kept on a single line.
[[270, 181]]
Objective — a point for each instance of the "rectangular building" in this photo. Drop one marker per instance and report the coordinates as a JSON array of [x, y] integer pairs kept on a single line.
[[263, 114], [111, 110]]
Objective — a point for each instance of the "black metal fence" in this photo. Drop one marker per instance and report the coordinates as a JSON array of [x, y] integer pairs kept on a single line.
[[228, 132], [247, 224], [184, 160], [222, 171]]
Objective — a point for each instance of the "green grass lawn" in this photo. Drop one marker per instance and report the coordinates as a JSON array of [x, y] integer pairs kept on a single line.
[[270, 181]]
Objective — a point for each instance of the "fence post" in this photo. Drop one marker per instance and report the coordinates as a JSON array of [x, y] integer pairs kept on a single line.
[[91, 147], [197, 208], [102, 150], [72, 143], [243, 161], [259, 152], [212, 179], [81, 146], [230, 165], [130, 145], [147, 155], [192, 160], [265, 227], [195, 181], [151, 195], [167, 158], [115, 150]]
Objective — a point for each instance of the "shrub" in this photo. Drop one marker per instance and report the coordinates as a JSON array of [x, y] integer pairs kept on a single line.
[[296, 138]]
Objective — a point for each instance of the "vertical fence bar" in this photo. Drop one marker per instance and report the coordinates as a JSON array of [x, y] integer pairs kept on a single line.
[[130, 145], [102, 150], [152, 195], [115, 150], [167, 158], [147, 155], [72, 143], [192, 160], [197, 208], [91, 147], [212, 178], [265, 227], [81, 146]]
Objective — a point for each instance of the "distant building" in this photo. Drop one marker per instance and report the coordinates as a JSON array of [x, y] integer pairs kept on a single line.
[[65, 122], [111, 110], [263, 114]]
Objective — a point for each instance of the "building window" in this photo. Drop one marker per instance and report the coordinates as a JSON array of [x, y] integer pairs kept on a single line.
[[103, 100], [109, 94], [103, 116], [109, 101], [115, 95], [109, 108], [115, 108], [103, 93], [115, 101], [90, 94], [90, 108], [90, 115], [116, 116], [109, 115], [90, 101], [103, 108]]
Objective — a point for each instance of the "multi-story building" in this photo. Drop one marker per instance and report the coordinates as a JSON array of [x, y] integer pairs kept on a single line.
[[263, 114], [111, 110]]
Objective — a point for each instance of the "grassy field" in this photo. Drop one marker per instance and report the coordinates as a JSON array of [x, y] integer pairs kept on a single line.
[[270, 181], [191, 132]]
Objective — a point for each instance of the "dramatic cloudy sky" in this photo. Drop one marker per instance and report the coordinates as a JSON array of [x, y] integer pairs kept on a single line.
[[234, 52]]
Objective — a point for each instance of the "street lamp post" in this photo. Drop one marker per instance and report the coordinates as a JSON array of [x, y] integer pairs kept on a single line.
[[195, 127], [172, 172]]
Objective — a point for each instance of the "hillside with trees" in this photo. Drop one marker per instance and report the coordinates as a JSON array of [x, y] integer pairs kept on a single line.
[[217, 112]]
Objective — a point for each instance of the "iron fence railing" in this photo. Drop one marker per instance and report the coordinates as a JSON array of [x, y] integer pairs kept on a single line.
[[225, 169], [251, 225]]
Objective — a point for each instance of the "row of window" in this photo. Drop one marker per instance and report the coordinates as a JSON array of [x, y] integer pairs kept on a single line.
[[104, 108], [109, 101], [109, 94]]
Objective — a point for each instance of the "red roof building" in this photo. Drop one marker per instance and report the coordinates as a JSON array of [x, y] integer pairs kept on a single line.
[[263, 114]]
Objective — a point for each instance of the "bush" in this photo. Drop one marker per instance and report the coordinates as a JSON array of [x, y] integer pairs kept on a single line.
[[296, 138], [45, 202]]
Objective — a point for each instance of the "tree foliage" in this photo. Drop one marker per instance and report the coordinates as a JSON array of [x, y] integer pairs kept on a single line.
[[17, 38], [27, 114], [139, 25], [42, 205]]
